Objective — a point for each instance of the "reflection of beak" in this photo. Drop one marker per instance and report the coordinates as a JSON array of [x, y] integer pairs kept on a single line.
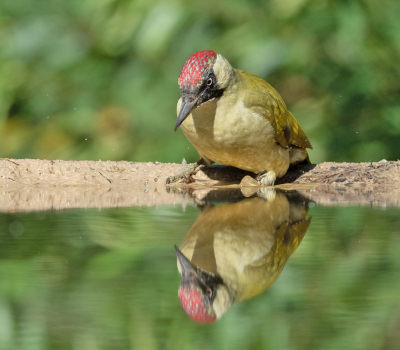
[[186, 107], [186, 266]]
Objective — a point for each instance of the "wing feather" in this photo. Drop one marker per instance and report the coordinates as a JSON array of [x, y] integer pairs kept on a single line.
[[264, 100]]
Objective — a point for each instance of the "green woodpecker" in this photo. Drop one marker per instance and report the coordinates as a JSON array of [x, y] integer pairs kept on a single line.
[[236, 118], [235, 251]]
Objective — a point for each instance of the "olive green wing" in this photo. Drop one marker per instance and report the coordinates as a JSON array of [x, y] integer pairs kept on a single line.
[[264, 100]]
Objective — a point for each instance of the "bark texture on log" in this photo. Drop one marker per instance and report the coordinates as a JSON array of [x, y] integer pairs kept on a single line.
[[32, 184]]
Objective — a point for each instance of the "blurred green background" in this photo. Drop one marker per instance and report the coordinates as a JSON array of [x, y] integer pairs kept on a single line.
[[97, 79]]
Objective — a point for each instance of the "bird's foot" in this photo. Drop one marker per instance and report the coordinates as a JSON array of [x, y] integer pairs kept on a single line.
[[266, 178], [187, 171]]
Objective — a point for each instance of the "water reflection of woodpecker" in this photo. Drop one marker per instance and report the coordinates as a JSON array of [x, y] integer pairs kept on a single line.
[[235, 251]]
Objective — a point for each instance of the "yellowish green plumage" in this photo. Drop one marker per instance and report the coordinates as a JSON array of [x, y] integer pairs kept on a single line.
[[264, 100], [245, 123], [246, 243]]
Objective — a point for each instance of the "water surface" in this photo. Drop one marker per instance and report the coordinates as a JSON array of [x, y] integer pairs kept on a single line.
[[108, 279]]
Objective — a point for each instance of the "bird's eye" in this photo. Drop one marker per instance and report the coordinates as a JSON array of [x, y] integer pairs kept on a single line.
[[209, 81], [209, 292]]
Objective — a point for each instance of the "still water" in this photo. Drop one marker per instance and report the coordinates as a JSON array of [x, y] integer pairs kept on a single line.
[[275, 269]]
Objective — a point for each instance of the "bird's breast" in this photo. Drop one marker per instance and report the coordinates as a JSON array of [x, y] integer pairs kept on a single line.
[[228, 133]]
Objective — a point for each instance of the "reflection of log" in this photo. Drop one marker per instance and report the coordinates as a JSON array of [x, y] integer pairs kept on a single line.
[[27, 184], [39, 198], [339, 196]]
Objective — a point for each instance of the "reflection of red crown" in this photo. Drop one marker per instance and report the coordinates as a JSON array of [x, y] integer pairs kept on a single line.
[[193, 305], [194, 66]]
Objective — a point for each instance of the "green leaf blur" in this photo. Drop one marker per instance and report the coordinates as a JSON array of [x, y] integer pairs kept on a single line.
[[97, 79]]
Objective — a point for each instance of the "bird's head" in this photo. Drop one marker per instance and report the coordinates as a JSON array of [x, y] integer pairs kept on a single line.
[[202, 294], [203, 77]]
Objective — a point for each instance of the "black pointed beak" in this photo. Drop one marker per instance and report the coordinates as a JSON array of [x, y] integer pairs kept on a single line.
[[186, 266], [187, 105]]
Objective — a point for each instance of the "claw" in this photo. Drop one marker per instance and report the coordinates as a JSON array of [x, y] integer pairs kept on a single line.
[[186, 174], [186, 179], [266, 178]]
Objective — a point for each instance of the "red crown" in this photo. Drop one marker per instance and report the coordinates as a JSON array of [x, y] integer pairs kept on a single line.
[[194, 67], [193, 305]]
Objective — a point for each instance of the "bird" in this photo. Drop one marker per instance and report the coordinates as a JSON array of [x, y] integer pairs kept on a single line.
[[235, 118], [235, 251]]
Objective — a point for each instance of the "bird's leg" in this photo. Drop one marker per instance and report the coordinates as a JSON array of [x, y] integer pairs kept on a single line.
[[266, 178], [187, 171]]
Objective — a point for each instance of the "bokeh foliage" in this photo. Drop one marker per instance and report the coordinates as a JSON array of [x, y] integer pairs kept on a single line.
[[108, 280], [98, 78]]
